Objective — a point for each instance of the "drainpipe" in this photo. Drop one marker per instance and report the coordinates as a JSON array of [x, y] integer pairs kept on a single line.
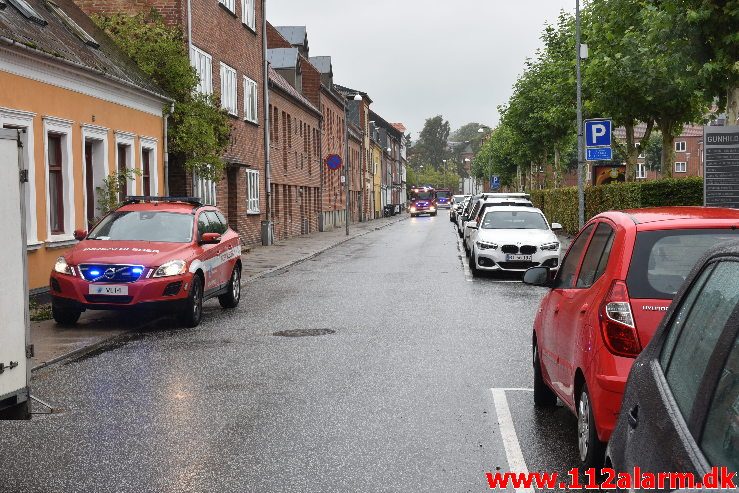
[[166, 149], [189, 29], [267, 235]]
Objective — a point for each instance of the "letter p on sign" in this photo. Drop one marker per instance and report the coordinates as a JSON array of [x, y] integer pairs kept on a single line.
[[598, 133]]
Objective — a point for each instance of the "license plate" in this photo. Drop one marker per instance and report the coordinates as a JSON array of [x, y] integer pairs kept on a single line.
[[109, 290], [518, 258]]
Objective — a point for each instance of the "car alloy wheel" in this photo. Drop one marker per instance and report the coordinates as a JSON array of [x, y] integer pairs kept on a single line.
[[232, 297], [592, 450], [583, 426]]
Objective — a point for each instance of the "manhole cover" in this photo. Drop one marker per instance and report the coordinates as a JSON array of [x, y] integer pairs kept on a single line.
[[304, 332]]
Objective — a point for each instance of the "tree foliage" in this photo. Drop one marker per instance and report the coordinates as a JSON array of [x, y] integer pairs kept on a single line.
[[431, 148], [200, 129]]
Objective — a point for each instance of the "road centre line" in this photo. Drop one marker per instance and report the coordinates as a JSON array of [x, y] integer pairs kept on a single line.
[[514, 455]]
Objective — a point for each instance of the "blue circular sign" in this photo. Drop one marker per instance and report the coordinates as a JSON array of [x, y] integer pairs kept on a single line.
[[334, 161]]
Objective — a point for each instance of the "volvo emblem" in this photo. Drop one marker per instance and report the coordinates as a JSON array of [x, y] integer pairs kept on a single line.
[[109, 273]]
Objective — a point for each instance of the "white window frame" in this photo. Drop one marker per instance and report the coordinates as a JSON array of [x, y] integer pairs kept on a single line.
[[251, 100], [681, 146], [641, 170], [203, 64], [205, 190], [229, 89], [100, 166], [149, 144], [684, 167], [252, 191], [61, 127], [249, 14], [127, 139], [24, 119], [229, 4]]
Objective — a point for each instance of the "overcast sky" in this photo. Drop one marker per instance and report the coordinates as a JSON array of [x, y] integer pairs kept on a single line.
[[416, 59]]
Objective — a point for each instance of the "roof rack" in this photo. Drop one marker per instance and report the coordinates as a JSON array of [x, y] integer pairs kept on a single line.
[[137, 199]]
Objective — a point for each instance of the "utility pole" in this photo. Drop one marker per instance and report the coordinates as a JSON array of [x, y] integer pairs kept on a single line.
[[346, 169], [580, 149]]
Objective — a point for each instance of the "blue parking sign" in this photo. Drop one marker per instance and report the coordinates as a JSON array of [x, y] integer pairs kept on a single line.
[[494, 182], [598, 133]]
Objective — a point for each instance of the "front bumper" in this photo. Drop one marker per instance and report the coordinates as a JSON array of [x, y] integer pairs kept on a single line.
[[422, 210], [495, 260], [74, 292]]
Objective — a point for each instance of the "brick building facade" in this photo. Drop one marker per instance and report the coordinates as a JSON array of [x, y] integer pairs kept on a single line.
[[225, 44]]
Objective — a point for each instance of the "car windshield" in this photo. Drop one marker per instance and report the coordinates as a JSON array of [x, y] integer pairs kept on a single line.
[[442, 195], [423, 195], [145, 226], [662, 260], [514, 220]]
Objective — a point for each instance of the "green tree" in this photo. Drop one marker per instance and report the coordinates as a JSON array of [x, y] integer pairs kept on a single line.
[[431, 148], [200, 129]]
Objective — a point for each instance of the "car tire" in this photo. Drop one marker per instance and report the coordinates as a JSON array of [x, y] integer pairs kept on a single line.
[[466, 250], [64, 315], [433, 214], [591, 449], [233, 296], [543, 395], [473, 265], [193, 312], [460, 233]]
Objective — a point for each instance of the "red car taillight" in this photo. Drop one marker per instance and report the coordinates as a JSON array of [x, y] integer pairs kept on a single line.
[[617, 322]]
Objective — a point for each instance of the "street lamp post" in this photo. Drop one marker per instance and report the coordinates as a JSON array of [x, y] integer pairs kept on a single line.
[[580, 149], [357, 97]]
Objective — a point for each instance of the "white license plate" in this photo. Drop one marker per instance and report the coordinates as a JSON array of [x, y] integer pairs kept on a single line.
[[518, 258], [109, 290]]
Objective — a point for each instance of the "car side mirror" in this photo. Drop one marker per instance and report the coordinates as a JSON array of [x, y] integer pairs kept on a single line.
[[210, 239], [80, 234], [538, 276], [556, 226]]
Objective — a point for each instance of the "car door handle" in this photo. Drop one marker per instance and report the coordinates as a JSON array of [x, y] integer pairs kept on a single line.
[[584, 308], [634, 417]]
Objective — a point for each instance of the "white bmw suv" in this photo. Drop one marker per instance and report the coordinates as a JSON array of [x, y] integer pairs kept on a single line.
[[513, 239]]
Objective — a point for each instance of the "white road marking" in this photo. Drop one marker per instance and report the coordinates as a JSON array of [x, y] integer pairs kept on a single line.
[[514, 455]]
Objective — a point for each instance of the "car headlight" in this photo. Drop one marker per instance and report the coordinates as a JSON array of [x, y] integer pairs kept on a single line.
[[550, 246], [483, 245], [62, 267], [171, 268]]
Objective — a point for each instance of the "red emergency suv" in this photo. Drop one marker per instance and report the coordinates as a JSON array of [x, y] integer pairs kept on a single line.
[[611, 292], [165, 252]]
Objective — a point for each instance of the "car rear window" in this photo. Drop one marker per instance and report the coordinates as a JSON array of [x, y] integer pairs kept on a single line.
[[663, 259]]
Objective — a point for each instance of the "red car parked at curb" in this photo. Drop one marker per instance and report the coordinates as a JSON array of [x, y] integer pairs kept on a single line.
[[165, 252], [611, 292]]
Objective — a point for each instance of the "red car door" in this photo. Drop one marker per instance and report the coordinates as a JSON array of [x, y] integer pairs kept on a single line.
[[575, 335], [549, 336], [208, 255]]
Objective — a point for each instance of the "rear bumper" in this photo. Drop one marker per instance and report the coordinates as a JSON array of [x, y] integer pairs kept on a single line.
[[607, 382]]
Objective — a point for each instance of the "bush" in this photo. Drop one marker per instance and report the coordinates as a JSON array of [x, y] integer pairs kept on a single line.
[[560, 204]]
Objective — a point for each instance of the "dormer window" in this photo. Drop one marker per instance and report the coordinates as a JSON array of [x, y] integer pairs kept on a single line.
[[28, 11], [73, 26]]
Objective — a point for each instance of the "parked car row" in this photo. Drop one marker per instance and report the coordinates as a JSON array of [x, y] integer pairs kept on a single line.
[[643, 279], [170, 253]]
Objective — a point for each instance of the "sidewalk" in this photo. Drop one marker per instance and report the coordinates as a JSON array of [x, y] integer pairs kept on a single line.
[[53, 343]]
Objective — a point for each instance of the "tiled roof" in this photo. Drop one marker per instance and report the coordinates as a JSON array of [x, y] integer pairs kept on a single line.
[[55, 38], [283, 57], [401, 128], [641, 128], [280, 82]]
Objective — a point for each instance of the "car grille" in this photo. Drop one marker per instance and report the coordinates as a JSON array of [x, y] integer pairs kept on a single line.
[[111, 273], [528, 249], [517, 265], [112, 300], [509, 249]]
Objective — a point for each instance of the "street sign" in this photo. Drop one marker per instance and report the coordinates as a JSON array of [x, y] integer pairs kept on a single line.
[[599, 154], [598, 133], [495, 182], [721, 182], [334, 161]]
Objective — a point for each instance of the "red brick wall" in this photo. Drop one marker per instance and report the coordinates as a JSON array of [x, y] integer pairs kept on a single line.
[[332, 142], [296, 166], [275, 39], [172, 10]]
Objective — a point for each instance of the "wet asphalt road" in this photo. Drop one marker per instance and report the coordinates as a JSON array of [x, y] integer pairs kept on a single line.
[[395, 398]]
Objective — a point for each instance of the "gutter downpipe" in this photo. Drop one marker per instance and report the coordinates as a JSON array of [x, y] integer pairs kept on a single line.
[[166, 149], [267, 227]]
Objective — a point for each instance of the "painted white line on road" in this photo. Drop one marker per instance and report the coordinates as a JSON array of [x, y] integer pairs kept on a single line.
[[514, 455]]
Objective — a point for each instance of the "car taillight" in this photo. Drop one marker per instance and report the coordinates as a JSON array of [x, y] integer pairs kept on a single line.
[[617, 322]]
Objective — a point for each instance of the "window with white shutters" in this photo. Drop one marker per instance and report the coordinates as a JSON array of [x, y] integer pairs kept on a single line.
[[229, 89], [249, 14], [203, 64], [229, 4], [252, 191], [250, 100], [205, 190]]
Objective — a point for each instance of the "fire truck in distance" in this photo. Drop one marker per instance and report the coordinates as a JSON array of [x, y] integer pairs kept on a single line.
[[422, 201]]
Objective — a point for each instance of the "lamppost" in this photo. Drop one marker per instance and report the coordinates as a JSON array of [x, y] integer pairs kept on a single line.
[[357, 97], [580, 148]]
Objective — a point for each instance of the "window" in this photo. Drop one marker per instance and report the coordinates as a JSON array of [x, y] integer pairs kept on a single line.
[[205, 190], [146, 171], [216, 226], [566, 274], [720, 440], [145, 226], [252, 191], [28, 11], [695, 330], [229, 89], [95, 160], [249, 14], [681, 167], [125, 162], [596, 258], [149, 168], [122, 165], [56, 184], [681, 146], [203, 64], [73, 26], [23, 121], [229, 4], [250, 100], [89, 184], [641, 170]]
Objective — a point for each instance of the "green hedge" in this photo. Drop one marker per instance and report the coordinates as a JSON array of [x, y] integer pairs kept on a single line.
[[560, 204]]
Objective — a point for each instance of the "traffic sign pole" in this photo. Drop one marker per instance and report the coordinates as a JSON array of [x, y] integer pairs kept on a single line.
[[580, 147]]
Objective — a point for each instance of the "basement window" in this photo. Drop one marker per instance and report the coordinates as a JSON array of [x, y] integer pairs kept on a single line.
[[73, 26], [28, 11]]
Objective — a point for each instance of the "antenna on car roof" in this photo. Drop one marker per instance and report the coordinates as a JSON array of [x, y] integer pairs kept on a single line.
[[137, 199]]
